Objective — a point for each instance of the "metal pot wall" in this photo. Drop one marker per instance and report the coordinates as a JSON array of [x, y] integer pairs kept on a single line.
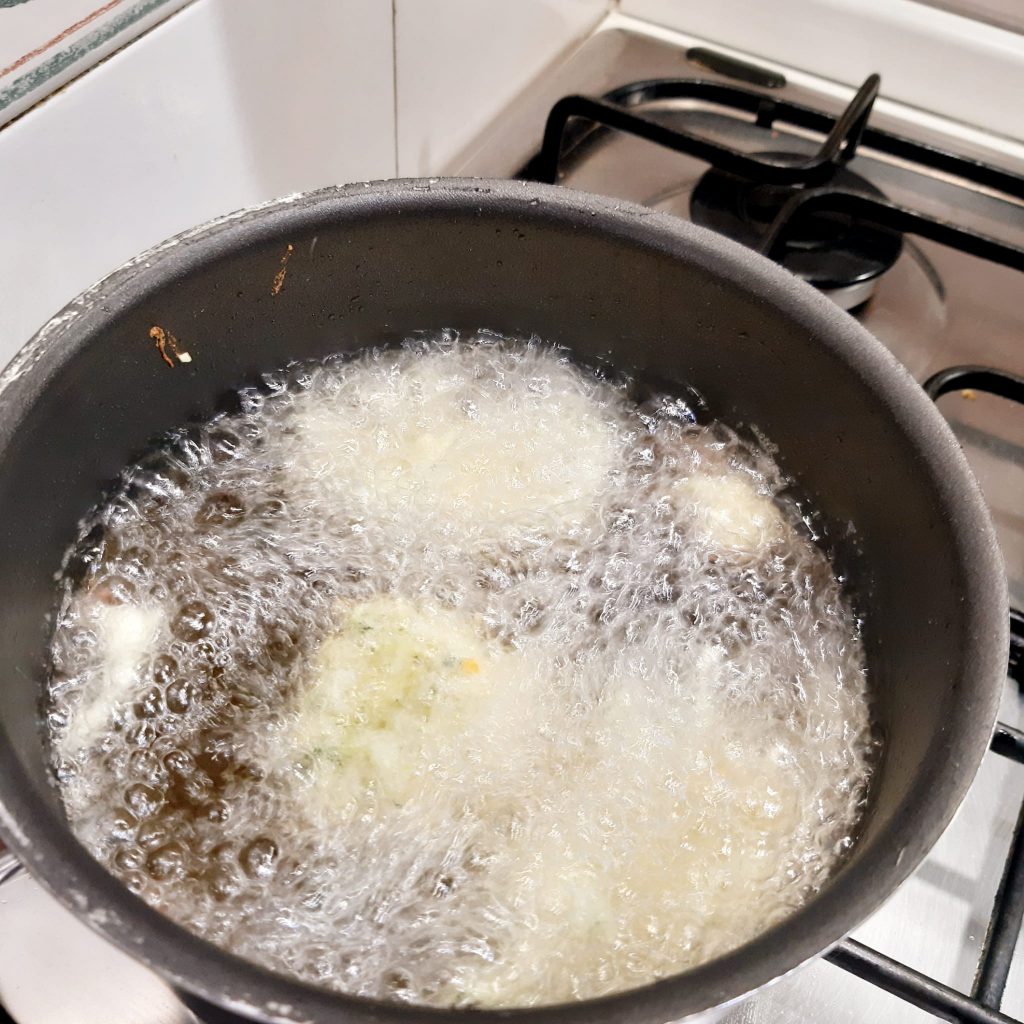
[[344, 268]]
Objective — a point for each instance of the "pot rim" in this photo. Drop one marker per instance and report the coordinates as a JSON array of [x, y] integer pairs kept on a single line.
[[48, 849]]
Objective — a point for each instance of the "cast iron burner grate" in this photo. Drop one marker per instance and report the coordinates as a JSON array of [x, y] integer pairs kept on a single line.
[[840, 256], [982, 1005], [786, 206]]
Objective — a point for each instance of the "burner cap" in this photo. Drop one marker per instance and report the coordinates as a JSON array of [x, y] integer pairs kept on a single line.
[[832, 251]]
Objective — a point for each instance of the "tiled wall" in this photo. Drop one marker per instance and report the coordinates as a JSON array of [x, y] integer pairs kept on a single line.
[[226, 104], [459, 62], [232, 102]]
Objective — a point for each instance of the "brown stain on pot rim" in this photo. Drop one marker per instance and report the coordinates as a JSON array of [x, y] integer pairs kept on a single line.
[[279, 276], [164, 340]]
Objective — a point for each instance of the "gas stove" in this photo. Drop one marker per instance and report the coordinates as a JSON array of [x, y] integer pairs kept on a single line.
[[914, 225]]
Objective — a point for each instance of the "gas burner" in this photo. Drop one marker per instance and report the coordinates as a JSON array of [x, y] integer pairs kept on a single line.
[[806, 210], [839, 254]]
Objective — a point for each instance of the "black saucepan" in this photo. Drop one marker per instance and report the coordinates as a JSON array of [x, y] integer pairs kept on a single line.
[[344, 268]]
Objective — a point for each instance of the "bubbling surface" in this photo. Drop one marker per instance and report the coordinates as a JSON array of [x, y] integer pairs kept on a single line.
[[455, 674]]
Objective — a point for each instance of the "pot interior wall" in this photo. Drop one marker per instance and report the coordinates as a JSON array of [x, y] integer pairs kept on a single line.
[[357, 280]]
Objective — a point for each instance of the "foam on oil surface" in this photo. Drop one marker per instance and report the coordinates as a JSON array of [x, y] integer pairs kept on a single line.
[[453, 675]]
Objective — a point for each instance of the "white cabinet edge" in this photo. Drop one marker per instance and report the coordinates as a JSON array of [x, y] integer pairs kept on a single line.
[[41, 71], [964, 70]]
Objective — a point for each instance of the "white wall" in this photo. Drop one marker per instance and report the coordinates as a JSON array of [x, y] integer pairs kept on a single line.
[[459, 62], [225, 104]]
